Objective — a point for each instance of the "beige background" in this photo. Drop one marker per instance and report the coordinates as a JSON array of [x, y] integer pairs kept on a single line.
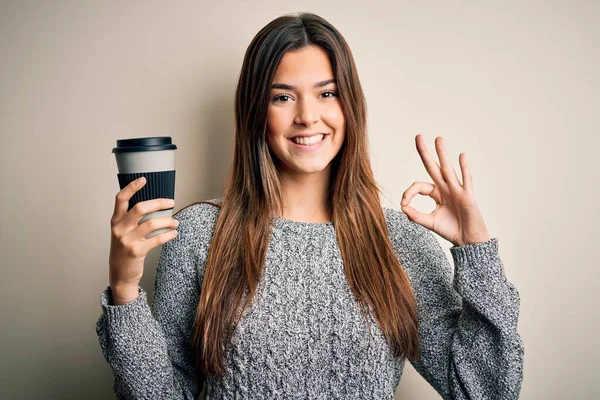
[[514, 85]]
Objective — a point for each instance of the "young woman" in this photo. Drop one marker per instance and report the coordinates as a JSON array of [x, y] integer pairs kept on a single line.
[[296, 282]]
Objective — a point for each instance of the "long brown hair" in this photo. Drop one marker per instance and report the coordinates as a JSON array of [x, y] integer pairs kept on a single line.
[[252, 197]]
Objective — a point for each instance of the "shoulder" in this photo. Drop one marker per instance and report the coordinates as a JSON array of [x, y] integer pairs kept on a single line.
[[200, 210], [197, 220], [399, 226], [408, 238]]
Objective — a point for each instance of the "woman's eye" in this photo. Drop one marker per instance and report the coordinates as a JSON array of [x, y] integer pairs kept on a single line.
[[333, 94], [277, 99]]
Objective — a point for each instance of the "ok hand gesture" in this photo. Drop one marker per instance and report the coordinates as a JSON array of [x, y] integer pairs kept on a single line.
[[456, 217]]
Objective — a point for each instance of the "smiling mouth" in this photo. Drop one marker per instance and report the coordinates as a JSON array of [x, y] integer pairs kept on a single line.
[[307, 141]]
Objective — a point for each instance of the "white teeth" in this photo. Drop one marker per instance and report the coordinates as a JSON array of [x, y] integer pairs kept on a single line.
[[308, 140]]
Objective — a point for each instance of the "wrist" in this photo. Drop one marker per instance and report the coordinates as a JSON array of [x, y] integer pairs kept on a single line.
[[472, 240], [123, 294]]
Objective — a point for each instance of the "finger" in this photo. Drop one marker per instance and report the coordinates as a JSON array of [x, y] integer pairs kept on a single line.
[[153, 224], [148, 244], [466, 172], [447, 168], [144, 207], [123, 196], [431, 166], [417, 188], [425, 220]]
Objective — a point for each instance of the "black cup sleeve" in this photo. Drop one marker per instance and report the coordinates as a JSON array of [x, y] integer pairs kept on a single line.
[[159, 185]]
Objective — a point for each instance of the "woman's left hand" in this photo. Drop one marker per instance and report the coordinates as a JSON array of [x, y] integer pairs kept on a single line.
[[456, 217]]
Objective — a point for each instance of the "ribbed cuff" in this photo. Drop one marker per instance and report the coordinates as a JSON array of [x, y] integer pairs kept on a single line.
[[478, 262], [135, 309]]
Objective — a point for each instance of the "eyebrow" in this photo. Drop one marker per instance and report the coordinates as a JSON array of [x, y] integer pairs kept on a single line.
[[290, 87]]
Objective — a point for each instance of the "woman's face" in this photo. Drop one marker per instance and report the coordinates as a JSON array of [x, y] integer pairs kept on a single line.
[[304, 102]]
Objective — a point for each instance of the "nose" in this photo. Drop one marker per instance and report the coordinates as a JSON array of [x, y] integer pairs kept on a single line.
[[308, 112]]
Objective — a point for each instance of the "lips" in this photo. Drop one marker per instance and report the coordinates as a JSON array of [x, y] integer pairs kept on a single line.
[[308, 134]]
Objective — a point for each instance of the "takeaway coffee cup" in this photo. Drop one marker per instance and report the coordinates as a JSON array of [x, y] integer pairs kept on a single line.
[[154, 159]]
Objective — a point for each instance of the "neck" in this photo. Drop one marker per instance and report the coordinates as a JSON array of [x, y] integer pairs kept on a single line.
[[306, 196]]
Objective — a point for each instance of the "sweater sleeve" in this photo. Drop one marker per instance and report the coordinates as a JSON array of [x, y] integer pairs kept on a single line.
[[148, 350], [469, 344]]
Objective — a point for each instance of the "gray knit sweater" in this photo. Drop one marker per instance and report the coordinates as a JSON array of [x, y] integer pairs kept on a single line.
[[303, 336]]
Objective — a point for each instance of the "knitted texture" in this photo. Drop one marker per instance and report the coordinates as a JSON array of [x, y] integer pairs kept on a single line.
[[303, 335]]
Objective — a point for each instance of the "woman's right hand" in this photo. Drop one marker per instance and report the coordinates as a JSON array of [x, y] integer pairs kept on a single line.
[[129, 246]]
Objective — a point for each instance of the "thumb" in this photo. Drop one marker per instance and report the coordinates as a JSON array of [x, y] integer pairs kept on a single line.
[[425, 220]]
